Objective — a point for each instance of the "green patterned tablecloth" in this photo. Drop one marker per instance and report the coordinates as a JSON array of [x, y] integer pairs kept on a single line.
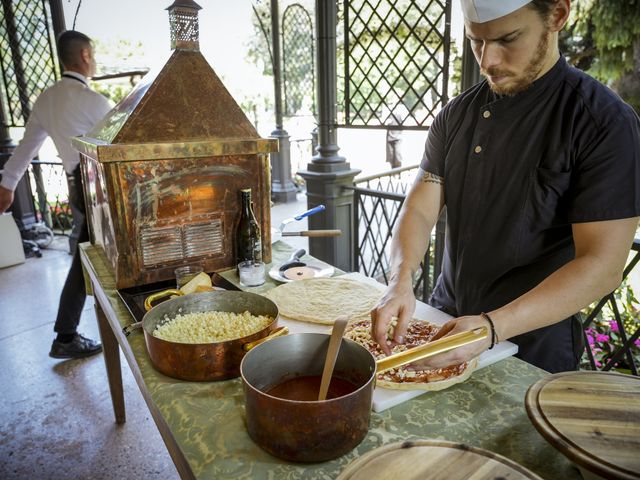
[[207, 419]]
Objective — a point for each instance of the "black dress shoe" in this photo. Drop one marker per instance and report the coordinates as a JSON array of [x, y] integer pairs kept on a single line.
[[79, 347]]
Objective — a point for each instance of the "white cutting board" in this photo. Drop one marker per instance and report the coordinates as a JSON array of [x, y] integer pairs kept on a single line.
[[385, 398]]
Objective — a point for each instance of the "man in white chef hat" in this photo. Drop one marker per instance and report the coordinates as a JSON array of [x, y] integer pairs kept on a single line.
[[538, 167]]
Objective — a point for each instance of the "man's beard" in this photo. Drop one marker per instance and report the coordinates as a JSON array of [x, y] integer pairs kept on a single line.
[[531, 72]]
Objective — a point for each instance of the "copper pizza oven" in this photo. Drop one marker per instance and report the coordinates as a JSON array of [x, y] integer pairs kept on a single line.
[[164, 168]]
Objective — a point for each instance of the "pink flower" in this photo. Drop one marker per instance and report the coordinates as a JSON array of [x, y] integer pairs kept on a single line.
[[637, 342], [590, 340], [601, 338], [613, 325], [598, 363]]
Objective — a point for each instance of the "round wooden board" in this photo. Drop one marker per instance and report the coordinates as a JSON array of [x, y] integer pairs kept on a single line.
[[591, 417], [435, 460]]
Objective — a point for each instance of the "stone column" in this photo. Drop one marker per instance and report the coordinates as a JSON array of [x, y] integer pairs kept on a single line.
[[328, 173], [282, 187]]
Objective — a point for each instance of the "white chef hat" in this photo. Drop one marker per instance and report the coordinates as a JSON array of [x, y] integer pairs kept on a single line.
[[480, 11]]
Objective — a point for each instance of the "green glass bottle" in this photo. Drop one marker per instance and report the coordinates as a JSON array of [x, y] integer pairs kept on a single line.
[[248, 238]]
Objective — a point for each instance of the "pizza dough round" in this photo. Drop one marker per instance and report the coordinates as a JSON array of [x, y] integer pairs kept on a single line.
[[418, 333], [430, 386], [322, 300]]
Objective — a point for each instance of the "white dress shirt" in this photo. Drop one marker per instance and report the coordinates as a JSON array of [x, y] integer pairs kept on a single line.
[[67, 109]]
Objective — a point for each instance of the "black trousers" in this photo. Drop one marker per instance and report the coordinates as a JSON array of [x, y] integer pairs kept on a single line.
[[74, 293]]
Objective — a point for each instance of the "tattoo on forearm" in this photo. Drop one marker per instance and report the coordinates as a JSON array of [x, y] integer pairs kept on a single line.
[[429, 177]]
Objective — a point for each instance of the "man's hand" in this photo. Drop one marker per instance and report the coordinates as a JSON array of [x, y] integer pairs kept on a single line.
[[398, 301], [417, 217], [6, 199], [460, 354]]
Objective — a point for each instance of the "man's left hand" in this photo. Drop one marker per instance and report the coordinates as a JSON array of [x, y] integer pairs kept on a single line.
[[6, 199], [461, 354]]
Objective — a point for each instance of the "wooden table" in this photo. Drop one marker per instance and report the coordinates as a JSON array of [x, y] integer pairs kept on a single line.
[[202, 424]]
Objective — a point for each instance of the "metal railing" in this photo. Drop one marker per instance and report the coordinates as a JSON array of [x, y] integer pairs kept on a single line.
[[52, 196], [377, 203], [627, 351]]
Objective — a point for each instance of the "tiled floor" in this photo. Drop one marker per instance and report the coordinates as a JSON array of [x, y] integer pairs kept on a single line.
[[56, 417]]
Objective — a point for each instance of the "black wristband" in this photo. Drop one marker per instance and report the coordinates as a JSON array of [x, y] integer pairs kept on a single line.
[[494, 337]]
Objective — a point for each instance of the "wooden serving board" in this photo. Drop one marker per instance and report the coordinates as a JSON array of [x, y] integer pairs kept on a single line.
[[435, 460], [385, 398], [591, 417]]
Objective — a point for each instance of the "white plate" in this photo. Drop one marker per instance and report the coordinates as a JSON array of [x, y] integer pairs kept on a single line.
[[321, 269]]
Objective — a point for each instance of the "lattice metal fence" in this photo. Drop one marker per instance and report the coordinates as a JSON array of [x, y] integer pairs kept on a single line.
[[377, 203], [396, 181], [27, 55], [298, 61], [396, 61]]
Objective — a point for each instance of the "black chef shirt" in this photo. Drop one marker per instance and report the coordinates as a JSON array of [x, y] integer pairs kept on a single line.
[[518, 171]]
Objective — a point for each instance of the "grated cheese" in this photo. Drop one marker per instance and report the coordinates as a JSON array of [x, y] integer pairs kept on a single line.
[[210, 327]]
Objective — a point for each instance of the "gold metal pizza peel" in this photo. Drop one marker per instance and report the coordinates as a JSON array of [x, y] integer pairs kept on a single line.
[[430, 349]]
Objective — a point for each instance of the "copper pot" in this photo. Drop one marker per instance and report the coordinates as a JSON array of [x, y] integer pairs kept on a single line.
[[306, 431], [319, 430], [206, 361]]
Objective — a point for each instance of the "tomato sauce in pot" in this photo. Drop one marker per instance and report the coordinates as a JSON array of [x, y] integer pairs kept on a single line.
[[306, 388]]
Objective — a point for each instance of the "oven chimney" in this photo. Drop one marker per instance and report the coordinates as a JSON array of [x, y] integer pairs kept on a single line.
[[183, 23]]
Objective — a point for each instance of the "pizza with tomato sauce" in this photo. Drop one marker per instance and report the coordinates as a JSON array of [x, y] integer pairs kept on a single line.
[[419, 332]]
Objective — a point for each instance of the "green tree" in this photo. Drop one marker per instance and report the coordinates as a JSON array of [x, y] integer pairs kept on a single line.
[[296, 49], [115, 57], [259, 48], [603, 38]]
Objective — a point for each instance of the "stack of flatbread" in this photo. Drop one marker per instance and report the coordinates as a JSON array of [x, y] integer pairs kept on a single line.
[[322, 300]]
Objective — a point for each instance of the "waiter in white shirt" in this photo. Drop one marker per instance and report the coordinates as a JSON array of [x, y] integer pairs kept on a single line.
[[67, 109]]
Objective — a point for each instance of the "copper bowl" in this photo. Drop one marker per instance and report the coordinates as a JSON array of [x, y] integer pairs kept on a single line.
[[306, 431], [201, 362]]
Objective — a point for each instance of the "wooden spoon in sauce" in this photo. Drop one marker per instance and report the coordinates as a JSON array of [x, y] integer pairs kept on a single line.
[[332, 353]]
